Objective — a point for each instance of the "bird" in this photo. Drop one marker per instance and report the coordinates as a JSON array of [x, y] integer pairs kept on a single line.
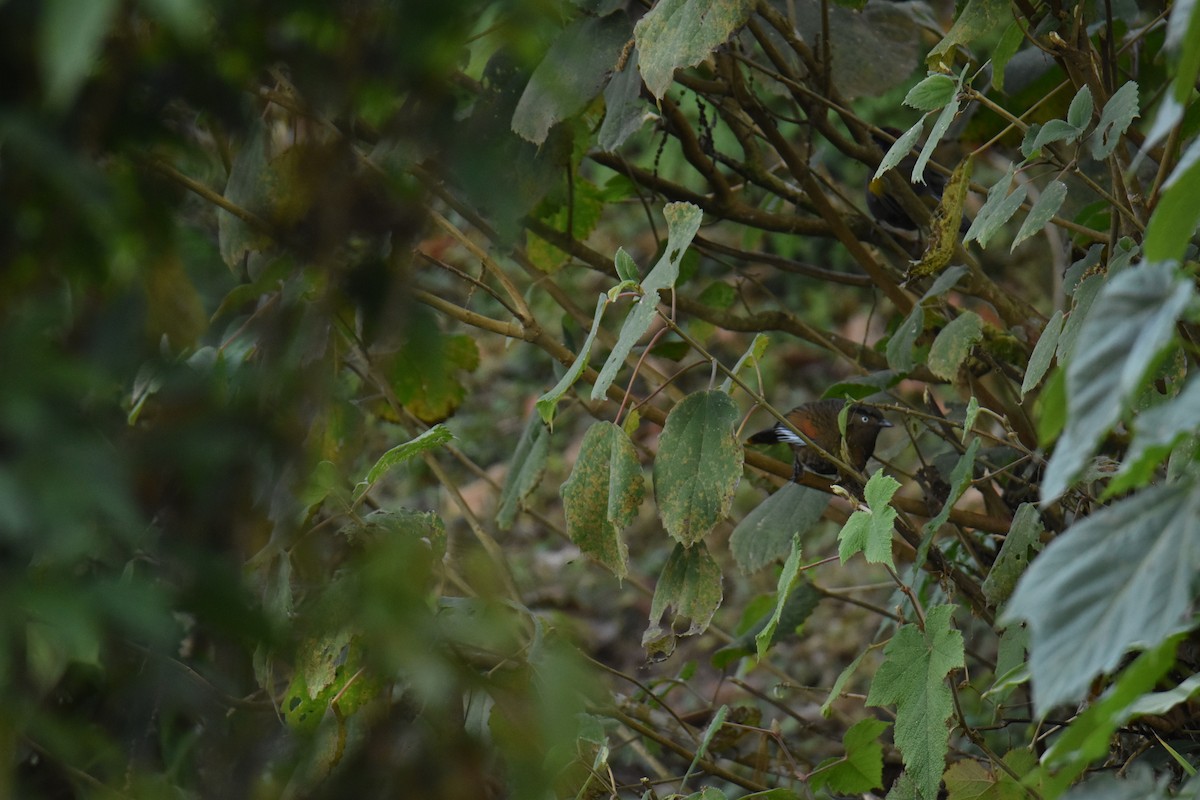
[[818, 421], [887, 209]]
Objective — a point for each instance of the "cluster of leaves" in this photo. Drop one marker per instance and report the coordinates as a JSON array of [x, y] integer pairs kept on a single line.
[[284, 285]]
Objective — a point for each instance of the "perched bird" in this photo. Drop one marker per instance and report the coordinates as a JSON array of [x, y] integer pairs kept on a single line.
[[819, 421], [886, 208]]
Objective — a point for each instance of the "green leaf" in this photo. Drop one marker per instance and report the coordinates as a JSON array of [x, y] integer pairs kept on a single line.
[[626, 268], [1130, 324], [1086, 739], [900, 346], [1010, 41], [960, 480], [1043, 353], [1083, 300], [683, 220], [972, 780], [953, 344], [624, 111], [1124, 576], [978, 19], [861, 769], [946, 281], [753, 355], [698, 466], [1056, 130], [1177, 214], [1156, 433], [72, 33], [899, 149], [940, 126], [574, 70], [714, 725], [436, 436], [582, 214], [690, 584], [840, 683], [913, 677], [547, 404], [1024, 537], [1079, 115], [969, 418], [869, 530], [997, 209], [765, 534], [525, 470], [1118, 115], [682, 33], [1045, 207], [602, 495], [933, 92], [424, 372], [788, 578], [798, 607]]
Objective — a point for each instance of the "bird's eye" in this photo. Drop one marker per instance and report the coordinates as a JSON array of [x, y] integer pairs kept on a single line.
[[864, 419]]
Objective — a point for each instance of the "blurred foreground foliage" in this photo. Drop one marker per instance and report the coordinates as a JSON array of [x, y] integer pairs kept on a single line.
[[351, 349]]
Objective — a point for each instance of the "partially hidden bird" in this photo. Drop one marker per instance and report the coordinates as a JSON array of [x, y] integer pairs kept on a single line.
[[886, 208], [818, 421]]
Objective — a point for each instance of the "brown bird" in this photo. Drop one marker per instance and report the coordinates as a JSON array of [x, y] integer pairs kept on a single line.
[[886, 208], [819, 421]]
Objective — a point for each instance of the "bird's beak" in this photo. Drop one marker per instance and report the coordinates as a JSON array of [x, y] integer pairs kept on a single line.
[[883, 423]]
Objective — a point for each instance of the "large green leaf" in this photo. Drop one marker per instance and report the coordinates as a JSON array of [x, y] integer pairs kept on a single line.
[[1124, 576], [690, 585], [765, 534], [698, 465], [1156, 433], [682, 33], [683, 220], [1177, 214], [602, 495], [573, 71], [1130, 324], [913, 677]]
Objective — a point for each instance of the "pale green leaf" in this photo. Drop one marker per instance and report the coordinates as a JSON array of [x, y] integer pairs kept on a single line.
[[940, 126], [683, 220], [602, 495], [547, 404], [682, 33], [752, 356], [1079, 115], [690, 586], [931, 93], [698, 466], [1130, 324], [900, 346], [1043, 353], [624, 111], [1045, 207], [899, 149], [1122, 577], [1118, 114]]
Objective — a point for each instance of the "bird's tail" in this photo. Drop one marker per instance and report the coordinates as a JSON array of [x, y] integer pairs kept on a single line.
[[769, 436]]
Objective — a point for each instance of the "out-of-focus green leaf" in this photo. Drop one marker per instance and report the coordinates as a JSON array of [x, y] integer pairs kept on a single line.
[[1177, 215], [869, 530], [436, 436], [424, 371], [525, 470], [1124, 576], [1118, 114], [624, 112], [72, 32], [960, 480], [603, 494], [840, 683], [1156, 433], [682, 33], [1130, 324], [574, 70], [861, 768], [971, 780], [1024, 537], [582, 213], [698, 466], [765, 534], [690, 585], [979, 18], [954, 343], [1045, 207], [683, 220], [900, 346], [796, 609], [913, 677], [752, 356]]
